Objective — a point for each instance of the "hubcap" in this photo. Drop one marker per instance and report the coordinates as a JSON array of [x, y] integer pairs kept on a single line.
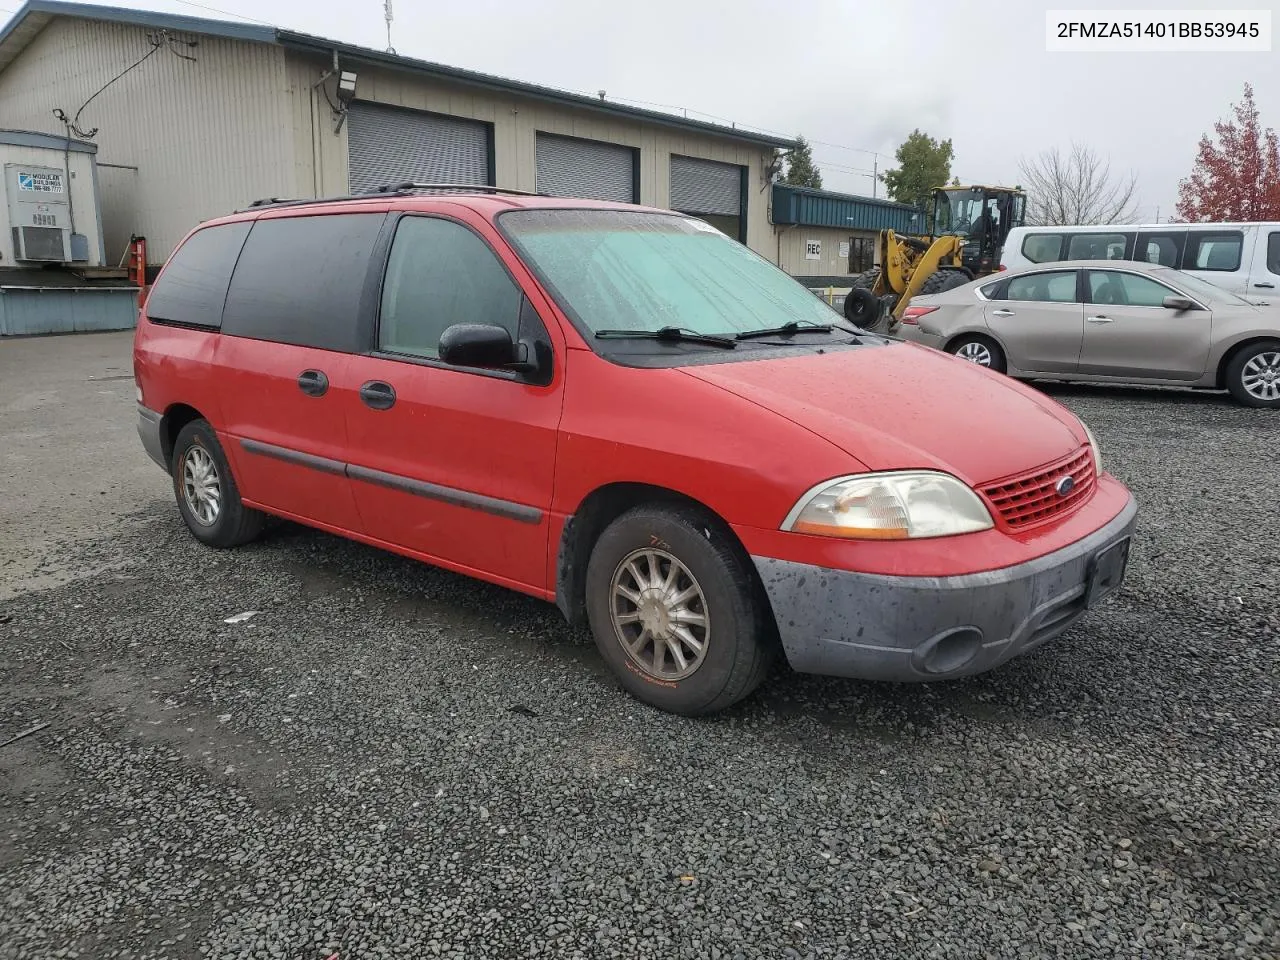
[[659, 614], [975, 353], [201, 486], [1261, 376]]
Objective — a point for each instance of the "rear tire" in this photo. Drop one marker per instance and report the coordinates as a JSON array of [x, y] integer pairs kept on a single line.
[[983, 351], [208, 498], [1253, 375], [663, 578], [942, 280]]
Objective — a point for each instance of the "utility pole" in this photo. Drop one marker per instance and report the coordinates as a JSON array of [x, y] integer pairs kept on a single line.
[[874, 174]]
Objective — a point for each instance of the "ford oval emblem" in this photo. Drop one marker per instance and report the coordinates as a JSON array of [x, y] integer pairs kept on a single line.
[[1065, 485]]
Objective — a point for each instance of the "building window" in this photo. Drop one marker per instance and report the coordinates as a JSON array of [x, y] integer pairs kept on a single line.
[[862, 254]]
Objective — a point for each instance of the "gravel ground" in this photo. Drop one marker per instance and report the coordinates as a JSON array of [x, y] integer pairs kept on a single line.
[[388, 760]]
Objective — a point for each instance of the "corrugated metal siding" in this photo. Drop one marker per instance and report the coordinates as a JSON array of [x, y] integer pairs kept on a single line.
[[392, 145], [706, 186], [570, 167], [516, 122], [61, 310], [816, 208], [207, 136]]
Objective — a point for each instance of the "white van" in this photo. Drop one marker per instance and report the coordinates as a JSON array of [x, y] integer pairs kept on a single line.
[[1243, 258]]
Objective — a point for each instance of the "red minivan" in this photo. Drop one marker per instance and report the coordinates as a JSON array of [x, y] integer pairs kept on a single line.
[[622, 411]]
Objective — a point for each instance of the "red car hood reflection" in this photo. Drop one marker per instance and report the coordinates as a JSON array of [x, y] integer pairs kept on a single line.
[[907, 407]]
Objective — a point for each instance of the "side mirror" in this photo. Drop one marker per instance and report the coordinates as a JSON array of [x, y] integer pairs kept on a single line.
[[1178, 303], [477, 345]]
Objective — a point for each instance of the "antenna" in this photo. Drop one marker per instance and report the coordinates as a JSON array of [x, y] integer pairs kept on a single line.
[[386, 7]]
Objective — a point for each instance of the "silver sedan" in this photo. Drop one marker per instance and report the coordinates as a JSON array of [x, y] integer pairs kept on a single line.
[[1107, 321]]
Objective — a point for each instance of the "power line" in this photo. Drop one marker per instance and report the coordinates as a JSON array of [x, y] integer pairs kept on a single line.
[[225, 13]]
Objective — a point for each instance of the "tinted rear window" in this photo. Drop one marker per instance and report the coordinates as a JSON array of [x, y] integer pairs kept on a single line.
[[193, 285], [300, 280]]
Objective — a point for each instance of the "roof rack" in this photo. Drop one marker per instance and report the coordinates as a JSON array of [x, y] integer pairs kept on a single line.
[[387, 189], [289, 202], [409, 186]]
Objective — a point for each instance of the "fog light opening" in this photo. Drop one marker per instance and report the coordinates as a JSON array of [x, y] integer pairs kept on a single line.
[[950, 651]]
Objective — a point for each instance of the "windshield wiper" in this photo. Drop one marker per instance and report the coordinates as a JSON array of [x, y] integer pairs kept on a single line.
[[668, 335], [786, 330]]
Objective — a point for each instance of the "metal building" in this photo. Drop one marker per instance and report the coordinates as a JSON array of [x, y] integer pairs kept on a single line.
[[196, 117]]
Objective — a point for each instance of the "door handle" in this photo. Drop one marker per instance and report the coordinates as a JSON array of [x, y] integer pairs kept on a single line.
[[313, 383], [378, 395], [1100, 320], [1002, 313], [1265, 286]]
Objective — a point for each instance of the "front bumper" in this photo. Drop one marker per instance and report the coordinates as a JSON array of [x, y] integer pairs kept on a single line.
[[149, 433], [873, 627]]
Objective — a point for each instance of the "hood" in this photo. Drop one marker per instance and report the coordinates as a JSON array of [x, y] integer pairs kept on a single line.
[[904, 406]]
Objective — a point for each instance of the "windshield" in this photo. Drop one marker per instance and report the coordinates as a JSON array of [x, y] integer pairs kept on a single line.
[[956, 210], [619, 270], [1202, 289]]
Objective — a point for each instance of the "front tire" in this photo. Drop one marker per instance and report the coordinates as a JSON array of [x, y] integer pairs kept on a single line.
[[862, 307], [983, 351], [208, 498], [675, 611], [1253, 375]]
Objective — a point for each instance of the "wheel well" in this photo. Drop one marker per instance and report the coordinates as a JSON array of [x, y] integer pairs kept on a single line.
[[972, 335], [1233, 352], [599, 509], [171, 424]]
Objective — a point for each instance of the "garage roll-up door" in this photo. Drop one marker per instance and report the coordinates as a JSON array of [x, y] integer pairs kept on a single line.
[[568, 167], [704, 186], [391, 145]]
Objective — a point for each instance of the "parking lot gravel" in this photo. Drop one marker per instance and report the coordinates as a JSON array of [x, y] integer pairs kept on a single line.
[[386, 760]]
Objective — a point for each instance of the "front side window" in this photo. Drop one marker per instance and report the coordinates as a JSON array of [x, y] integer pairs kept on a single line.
[[618, 270], [441, 273], [1214, 251], [1042, 247], [1057, 287], [1126, 289], [1097, 246], [1273, 252]]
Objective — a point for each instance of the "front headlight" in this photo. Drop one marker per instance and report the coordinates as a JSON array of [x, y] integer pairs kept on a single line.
[[1093, 445], [889, 506]]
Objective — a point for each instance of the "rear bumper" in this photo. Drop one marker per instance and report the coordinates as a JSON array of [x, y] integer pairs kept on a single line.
[[149, 433], [874, 627], [913, 333]]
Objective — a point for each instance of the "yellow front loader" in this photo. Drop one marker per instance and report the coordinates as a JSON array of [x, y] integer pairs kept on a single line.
[[970, 227]]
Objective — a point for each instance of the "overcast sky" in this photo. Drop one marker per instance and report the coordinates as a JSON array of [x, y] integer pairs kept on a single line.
[[844, 73]]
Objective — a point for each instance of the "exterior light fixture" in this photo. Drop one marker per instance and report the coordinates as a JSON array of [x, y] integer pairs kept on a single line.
[[346, 85]]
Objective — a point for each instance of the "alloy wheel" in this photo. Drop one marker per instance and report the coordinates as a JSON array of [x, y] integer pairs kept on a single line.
[[201, 486], [659, 614]]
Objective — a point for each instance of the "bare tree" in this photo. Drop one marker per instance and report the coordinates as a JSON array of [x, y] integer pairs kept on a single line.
[[1076, 188]]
